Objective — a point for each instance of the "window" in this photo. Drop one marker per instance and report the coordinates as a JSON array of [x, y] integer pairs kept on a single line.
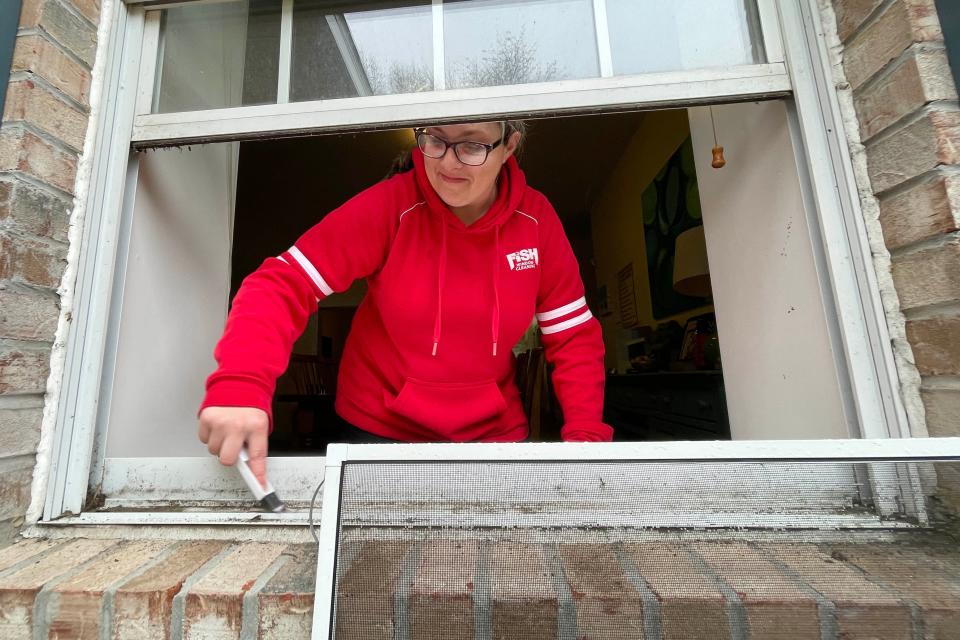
[[221, 109]]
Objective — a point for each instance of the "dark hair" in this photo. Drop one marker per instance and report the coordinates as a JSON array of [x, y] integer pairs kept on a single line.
[[404, 160]]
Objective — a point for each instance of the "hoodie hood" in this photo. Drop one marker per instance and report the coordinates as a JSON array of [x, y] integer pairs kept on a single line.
[[510, 189]]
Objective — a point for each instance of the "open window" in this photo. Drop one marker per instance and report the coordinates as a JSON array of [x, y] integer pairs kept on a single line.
[[735, 302]]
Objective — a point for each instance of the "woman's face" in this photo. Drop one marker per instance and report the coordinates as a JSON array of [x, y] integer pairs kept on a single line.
[[464, 186]]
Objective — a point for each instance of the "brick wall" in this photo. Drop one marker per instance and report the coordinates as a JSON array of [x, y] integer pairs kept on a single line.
[[44, 124], [709, 590], [903, 127], [905, 101]]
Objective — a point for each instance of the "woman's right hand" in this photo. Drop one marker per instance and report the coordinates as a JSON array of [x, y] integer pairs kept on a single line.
[[225, 430]]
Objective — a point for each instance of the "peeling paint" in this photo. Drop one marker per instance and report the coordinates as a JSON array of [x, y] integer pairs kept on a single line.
[[909, 377], [67, 286]]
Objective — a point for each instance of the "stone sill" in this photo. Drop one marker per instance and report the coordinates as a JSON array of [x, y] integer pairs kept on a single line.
[[850, 587]]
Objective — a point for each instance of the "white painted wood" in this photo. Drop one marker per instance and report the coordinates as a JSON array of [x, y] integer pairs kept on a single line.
[[853, 450], [151, 51], [390, 111], [79, 393], [780, 375], [603, 38], [153, 517], [323, 615], [202, 478], [863, 337], [770, 26], [439, 54], [286, 51]]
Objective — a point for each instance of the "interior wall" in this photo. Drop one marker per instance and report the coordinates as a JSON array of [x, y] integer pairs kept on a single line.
[[617, 225], [779, 370], [174, 302]]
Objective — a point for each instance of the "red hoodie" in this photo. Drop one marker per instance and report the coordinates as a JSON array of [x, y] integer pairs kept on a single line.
[[429, 355]]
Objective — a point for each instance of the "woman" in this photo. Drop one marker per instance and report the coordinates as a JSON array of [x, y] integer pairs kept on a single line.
[[459, 254]]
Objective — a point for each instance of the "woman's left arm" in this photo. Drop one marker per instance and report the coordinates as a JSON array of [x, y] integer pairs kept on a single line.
[[572, 337]]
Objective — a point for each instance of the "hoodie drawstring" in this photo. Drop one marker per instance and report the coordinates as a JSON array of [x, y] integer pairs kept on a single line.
[[496, 290], [441, 276]]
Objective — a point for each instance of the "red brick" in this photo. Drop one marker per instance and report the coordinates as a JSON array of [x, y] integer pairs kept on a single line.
[[898, 26], [23, 370], [31, 261], [215, 603], [30, 103], [19, 590], [948, 490], [915, 149], [923, 76], [926, 210], [608, 606], [365, 592], [27, 315], [142, 606], [89, 8], [776, 607], [943, 411], [16, 478], [76, 610], [35, 54], [936, 345], [23, 151], [24, 550], [30, 210], [863, 610], [852, 13], [441, 596], [75, 34], [522, 595], [20, 430], [915, 576], [286, 601], [928, 277], [682, 589]]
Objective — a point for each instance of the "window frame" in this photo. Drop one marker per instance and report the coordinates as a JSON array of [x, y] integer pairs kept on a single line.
[[798, 69]]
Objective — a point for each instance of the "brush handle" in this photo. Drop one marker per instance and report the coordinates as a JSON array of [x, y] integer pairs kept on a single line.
[[264, 494]]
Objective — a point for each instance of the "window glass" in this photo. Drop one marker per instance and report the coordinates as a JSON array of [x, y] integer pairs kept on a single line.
[[218, 55]]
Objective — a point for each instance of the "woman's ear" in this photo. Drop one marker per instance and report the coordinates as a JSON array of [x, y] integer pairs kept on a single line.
[[511, 144]]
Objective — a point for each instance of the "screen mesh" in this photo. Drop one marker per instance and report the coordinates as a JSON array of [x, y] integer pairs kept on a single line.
[[647, 550]]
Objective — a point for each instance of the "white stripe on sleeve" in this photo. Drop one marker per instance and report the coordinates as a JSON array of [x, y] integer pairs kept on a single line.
[[310, 270], [561, 311], [567, 324]]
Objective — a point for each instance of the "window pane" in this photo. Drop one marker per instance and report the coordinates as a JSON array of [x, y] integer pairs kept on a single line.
[[347, 53], [500, 42], [650, 35], [219, 55]]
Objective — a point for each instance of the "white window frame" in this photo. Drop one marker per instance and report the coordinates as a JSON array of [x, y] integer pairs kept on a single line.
[[918, 451], [797, 67]]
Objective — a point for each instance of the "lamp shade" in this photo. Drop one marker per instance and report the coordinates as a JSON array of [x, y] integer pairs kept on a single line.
[[691, 274]]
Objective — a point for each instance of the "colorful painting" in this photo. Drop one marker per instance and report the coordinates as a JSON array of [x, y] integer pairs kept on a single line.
[[671, 205]]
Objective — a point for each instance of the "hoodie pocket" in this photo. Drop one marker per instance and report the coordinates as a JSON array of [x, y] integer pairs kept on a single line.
[[448, 408]]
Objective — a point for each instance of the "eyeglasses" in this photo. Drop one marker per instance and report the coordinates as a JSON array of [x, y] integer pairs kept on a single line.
[[467, 152]]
